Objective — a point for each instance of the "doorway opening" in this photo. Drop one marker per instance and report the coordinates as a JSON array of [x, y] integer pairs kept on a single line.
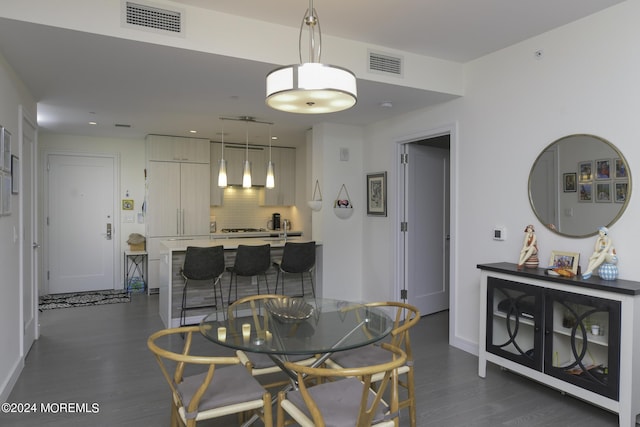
[[426, 210]]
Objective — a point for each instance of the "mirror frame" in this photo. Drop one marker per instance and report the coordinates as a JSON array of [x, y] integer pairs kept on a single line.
[[623, 207]]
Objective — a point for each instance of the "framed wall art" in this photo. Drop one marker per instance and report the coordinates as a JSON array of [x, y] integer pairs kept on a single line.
[[127, 204], [15, 175], [585, 170], [6, 194], [377, 194], [603, 169], [570, 182], [603, 192], [621, 191], [6, 149], [586, 192], [620, 169]]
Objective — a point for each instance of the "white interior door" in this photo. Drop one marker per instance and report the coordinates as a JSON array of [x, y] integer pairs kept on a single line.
[[29, 244], [427, 235], [81, 223]]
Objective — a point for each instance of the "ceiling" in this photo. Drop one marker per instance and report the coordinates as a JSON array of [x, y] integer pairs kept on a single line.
[[132, 89]]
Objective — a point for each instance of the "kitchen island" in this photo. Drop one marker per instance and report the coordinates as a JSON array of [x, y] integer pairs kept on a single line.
[[171, 282]]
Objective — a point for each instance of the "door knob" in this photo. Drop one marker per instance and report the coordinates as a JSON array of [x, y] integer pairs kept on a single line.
[[35, 245]]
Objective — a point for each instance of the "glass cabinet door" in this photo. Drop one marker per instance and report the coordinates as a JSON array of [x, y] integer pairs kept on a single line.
[[582, 341], [514, 316]]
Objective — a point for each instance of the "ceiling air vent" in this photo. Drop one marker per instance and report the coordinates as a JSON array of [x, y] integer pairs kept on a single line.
[[384, 63], [152, 18]]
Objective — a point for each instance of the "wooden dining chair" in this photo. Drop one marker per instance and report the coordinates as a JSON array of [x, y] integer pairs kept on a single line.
[[406, 316], [225, 387], [259, 363], [348, 401]]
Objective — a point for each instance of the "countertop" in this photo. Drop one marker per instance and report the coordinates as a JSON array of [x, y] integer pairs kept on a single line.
[[229, 244], [244, 235]]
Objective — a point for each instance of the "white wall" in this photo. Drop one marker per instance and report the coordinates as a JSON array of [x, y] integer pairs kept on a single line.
[[514, 106], [341, 238], [12, 95]]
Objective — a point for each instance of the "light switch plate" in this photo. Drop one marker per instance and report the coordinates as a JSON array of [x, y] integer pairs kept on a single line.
[[344, 154], [499, 233]]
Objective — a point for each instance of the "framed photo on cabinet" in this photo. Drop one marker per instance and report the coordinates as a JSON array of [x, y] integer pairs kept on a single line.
[[377, 194], [565, 261]]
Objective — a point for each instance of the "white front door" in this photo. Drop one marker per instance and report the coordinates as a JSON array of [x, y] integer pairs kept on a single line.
[[28, 196], [426, 238], [81, 224]]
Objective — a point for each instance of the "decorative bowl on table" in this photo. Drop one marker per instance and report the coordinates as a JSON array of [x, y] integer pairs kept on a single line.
[[289, 310]]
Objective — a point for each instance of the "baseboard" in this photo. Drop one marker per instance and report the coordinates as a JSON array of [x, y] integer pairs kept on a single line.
[[10, 381], [465, 345]]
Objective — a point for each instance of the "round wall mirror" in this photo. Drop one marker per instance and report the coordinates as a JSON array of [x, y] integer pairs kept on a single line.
[[579, 183]]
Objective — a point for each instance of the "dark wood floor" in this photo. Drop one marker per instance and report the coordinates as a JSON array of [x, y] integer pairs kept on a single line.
[[99, 355]]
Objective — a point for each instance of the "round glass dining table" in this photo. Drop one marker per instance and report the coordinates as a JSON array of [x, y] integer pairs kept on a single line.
[[323, 326]]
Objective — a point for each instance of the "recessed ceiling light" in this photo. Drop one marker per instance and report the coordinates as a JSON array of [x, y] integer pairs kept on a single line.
[[93, 123], [386, 104], [193, 131]]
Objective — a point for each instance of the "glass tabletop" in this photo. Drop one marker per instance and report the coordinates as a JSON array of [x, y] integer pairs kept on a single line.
[[290, 326]]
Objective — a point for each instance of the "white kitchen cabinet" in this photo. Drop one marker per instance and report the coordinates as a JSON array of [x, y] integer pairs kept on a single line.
[[177, 149], [284, 193], [177, 206], [177, 199]]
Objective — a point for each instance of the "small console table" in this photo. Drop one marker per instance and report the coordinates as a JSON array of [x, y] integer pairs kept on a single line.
[[135, 268], [577, 336]]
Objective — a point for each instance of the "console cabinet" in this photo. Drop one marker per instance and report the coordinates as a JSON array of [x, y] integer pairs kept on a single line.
[[577, 336]]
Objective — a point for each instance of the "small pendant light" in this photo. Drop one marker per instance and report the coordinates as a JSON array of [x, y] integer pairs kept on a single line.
[[271, 181], [222, 173], [246, 174]]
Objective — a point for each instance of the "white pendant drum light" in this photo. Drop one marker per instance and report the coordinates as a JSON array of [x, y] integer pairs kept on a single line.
[[271, 180], [311, 87], [222, 172], [246, 171]]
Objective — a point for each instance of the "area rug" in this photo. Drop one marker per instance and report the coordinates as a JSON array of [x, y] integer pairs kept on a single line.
[[81, 299]]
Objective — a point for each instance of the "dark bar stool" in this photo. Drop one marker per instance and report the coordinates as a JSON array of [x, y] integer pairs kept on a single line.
[[202, 264], [250, 261], [297, 258]]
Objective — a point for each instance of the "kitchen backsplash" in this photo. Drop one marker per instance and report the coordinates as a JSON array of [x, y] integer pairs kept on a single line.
[[240, 209]]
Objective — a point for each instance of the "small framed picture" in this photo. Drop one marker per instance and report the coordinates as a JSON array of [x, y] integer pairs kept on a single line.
[[377, 194], [6, 194], [603, 169], [6, 148], [620, 169], [603, 192], [15, 175], [585, 171], [567, 261], [621, 192], [570, 183], [586, 192], [127, 204]]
